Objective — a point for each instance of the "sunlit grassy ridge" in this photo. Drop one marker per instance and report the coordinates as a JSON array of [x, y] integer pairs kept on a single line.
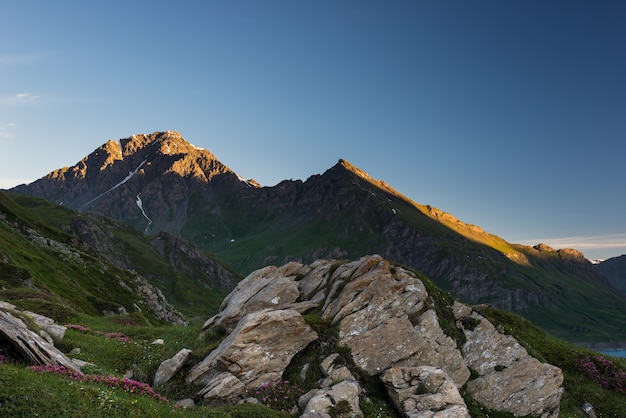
[[398, 200], [569, 293]]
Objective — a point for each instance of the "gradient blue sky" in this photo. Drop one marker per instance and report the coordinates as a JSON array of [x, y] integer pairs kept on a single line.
[[510, 115]]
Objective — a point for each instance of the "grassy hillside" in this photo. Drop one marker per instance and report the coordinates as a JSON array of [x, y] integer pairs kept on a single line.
[[47, 271], [326, 219], [186, 278], [342, 213], [24, 392]]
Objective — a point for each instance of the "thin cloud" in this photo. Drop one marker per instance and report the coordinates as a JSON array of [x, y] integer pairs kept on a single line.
[[582, 242], [20, 98], [5, 130], [25, 97]]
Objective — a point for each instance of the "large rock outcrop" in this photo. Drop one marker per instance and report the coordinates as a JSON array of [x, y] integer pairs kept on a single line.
[[384, 315]]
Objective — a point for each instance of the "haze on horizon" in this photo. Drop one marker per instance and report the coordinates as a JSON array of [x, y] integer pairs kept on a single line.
[[508, 115]]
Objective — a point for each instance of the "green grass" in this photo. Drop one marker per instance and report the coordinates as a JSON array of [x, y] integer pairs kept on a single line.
[[75, 288], [27, 393], [24, 393]]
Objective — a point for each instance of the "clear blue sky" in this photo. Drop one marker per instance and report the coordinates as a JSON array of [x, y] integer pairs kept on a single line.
[[510, 115]]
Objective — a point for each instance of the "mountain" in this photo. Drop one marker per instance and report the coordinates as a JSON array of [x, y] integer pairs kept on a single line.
[[160, 182], [615, 270], [64, 263]]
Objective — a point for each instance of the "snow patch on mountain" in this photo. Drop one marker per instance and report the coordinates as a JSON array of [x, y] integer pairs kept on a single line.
[[143, 212], [128, 177], [119, 145], [241, 179]]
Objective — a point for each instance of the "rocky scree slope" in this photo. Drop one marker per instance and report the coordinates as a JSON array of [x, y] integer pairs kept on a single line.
[[160, 182], [381, 327]]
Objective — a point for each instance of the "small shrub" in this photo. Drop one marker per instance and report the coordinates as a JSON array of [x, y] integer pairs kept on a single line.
[[327, 332], [473, 373], [470, 323], [128, 385], [341, 409], [280, 396], [499, 368], [603, 372], [112, 335], [377, 408]]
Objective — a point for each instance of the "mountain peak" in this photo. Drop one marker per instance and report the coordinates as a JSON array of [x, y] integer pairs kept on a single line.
[[161, 165], [353, 169], [168, 142]]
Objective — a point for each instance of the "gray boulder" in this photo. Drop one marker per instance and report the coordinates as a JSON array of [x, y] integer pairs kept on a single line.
[[257, 351], [223, 388], [270, 287], [424, 392], [510, 379], [318, 403], [168, 368], [28, 345], [373, 309]]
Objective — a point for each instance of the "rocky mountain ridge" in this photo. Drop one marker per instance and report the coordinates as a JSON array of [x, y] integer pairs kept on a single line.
[[159, 182], [162, 167]]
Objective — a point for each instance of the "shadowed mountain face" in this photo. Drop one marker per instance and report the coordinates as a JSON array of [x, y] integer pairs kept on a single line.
[[615, 270], [144, 180], [160, 182]]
